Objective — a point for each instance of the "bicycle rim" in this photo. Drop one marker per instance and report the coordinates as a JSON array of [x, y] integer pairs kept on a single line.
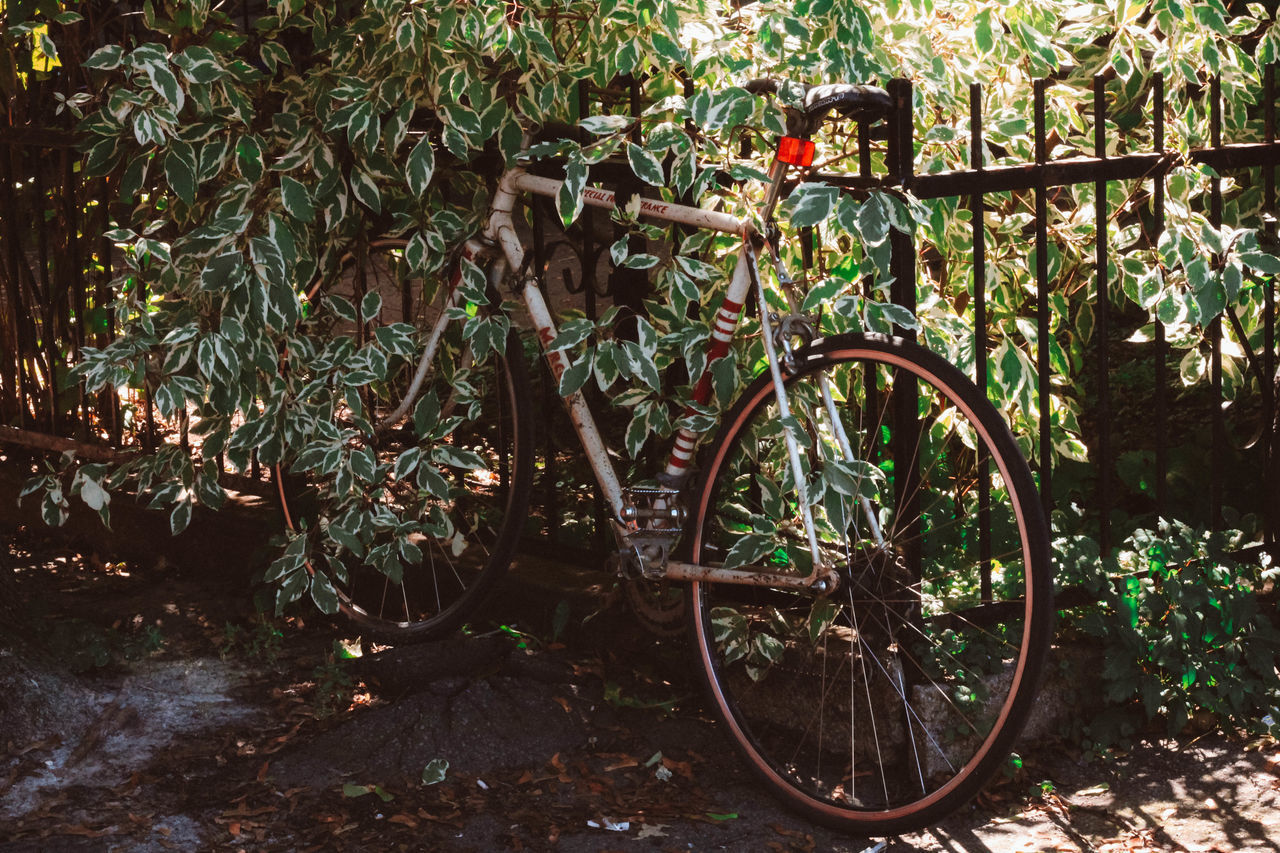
[[444, 531], [885, 705], [477, 526]]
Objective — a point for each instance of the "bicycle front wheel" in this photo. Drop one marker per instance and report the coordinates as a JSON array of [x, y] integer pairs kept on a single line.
[[883, 705]]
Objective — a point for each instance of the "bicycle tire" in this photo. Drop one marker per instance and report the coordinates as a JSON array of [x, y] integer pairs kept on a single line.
[[488, 407], [845, 713]]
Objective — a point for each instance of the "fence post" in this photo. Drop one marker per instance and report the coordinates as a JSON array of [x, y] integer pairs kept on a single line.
[[1215, 328], [1102, 324], [1162, 346], [1267, 380], [904, 440], [1042, 305], [978, 211]]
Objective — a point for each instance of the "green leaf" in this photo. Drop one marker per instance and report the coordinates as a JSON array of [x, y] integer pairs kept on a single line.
[[323, 593], [363, 464], [463, 119], [435, 771], [456, 457], [420, 166], [180, 517], [873, 220], [645, 165], [605, 125], [983, 34], [637, 432], [898, 315], [92, 493], [166, 84], [572, 380], [199, 65], [569, 198], [813, 203], [107, 58], [249, 158], [1261, 262], [366, 191], [370, 305], [346, 539], [146, 130], [180, 170], [407, 462], [431, 481], [296, 199], [748, 549], [822, 293]]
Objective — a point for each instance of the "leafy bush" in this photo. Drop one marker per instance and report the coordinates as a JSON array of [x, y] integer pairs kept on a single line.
[[253, 159], [1181, 626]]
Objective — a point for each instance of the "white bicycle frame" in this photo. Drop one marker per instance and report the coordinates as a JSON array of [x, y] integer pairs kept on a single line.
[[500, 231]]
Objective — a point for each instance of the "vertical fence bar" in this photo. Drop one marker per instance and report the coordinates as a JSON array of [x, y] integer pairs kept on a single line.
[[551, 405], [1042, 304], [978, 211], [868, 284], [46, 297], [102, 298], [904, 439], [1215, 327], [902, 166], [1162, 346], [1102, 324], [22, 316], [588, 221], [76, 278], [1267, 380]]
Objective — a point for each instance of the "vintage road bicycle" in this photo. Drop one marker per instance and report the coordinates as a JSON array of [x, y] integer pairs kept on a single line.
[[863, 555]]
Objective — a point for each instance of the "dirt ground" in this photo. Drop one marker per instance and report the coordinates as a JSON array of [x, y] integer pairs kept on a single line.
[[175, 718]]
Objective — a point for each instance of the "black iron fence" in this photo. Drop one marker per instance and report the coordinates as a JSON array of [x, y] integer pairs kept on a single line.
[[56, 268], [976, 183]]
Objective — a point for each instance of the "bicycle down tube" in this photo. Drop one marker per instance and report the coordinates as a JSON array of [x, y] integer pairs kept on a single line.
[[500, 229]]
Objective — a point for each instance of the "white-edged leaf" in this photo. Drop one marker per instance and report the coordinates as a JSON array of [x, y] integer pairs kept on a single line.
[[180, 170], [569, 199], [435, 771], [107, 58], [420, 166], [604, 125], [813, 204], [296, 199], [645, 165], [366, 190]]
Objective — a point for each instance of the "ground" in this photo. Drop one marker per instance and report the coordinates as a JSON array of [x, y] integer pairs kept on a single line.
[[168, 715]]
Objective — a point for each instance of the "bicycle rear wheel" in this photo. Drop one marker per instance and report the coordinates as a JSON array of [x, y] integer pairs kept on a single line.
[[884, 705], [445, 531]]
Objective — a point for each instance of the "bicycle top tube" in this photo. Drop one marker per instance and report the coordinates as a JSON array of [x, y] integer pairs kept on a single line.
[[517, 180]]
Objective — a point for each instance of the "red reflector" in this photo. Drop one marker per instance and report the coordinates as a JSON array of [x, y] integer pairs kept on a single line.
[[795, 152]]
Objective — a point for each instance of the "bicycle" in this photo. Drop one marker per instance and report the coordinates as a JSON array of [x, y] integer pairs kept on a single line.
[[864, 556]]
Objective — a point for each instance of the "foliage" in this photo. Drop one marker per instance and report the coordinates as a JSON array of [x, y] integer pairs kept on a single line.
[[82, 646], [1183, 629], [333, 685], [253, 160], [262, 639]]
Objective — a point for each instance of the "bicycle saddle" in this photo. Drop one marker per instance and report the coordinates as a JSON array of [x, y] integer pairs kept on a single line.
[[852, 101]]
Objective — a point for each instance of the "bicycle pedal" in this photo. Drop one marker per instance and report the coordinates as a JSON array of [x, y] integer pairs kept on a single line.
[[653, 508]]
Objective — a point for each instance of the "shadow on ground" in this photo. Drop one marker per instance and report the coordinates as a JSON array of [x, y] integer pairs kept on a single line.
[[189, 722]]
